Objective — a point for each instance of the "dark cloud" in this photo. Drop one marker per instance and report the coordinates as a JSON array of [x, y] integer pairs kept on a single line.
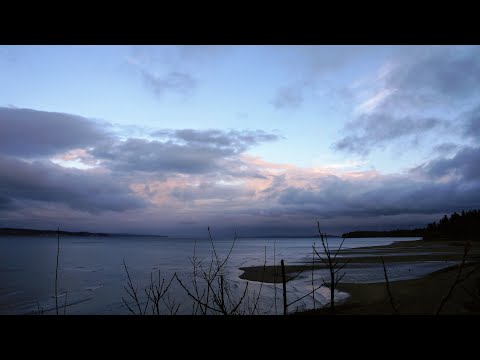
[[437, 74], [418, 80], [174, 81], [472, 123], [445, 148], [183, 151], [372, 130], [383, 197], [49, 183], [156, 156], [32, 133], [464, 165], [5, 203], [236, 140]]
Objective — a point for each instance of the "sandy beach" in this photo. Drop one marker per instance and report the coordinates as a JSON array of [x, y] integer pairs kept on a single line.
[[415, 296]]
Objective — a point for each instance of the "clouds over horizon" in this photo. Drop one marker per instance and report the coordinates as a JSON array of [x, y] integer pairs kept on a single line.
[[185, 151], [206, 177], [462, 166], [83, 190], [383, 197], [33, 133], [185, 157]]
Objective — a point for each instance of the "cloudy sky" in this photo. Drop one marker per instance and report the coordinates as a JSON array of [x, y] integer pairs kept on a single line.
[[257, 139]]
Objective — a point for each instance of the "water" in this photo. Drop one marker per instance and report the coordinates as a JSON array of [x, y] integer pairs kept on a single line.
[[91, 276]]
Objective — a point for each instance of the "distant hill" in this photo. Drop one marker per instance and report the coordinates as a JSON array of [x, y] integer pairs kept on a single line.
[[33, 232]]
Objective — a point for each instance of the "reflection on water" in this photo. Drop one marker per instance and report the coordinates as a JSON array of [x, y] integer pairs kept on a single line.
[[92, 276]]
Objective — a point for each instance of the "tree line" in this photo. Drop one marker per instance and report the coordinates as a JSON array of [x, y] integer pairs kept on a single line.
[[465, 225]]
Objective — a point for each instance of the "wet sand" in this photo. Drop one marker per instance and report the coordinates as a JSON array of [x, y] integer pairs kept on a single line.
[[404, 251], [415, 296]]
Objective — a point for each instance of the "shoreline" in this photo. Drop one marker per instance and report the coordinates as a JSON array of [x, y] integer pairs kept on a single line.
[[412, 296], [421, 296], [398, 251]]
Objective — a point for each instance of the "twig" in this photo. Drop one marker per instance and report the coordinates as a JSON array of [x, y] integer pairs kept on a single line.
[[313, 265], [261, 284], [298, 274], [195, 298], [457, 279], [471, 293], [275, 277], [331, 263], [40, 312], [171, 305], [56, 270], [284, 288], [241, 299], [133, 293], [304, 296], [65, 306], [388, 287]]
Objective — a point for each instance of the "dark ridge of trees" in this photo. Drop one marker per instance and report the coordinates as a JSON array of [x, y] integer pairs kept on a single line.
[[465, 225], [390, 233], [32, 232]]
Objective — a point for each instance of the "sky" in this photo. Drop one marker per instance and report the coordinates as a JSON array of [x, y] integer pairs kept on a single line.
[[261, 140]]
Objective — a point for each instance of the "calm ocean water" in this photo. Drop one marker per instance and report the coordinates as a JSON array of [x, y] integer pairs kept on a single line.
[[92, 275]]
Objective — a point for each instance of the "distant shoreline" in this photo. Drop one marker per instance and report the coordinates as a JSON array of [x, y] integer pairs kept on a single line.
[[35, 232]]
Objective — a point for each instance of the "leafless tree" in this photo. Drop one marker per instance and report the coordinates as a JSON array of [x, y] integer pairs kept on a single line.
[[332, 264]]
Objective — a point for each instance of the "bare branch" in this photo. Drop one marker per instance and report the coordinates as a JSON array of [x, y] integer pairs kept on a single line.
[[65, 306], [56, 270], [338, 250], [194, 298], [304, 296], [293, 278], [134, 292], [388, 287], [320, 257], [457, 279], [344, 264]]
